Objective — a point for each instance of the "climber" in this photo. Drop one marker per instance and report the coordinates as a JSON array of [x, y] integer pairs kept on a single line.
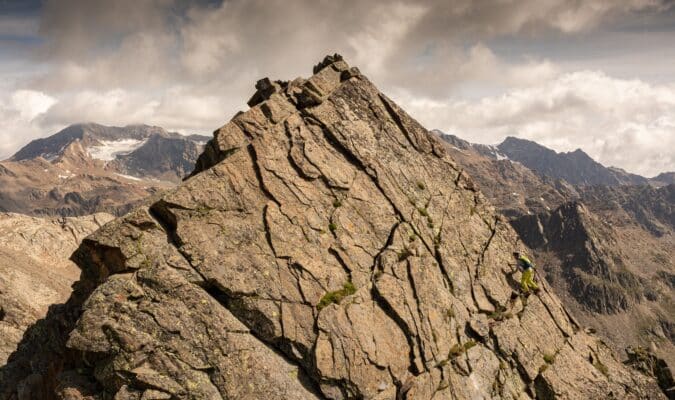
[[527, 281]]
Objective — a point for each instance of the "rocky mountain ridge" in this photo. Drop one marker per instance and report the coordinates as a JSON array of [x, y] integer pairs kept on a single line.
[[87, 168], [607, 250], [575, 167], [663, 179], [326, 247], [100, 141]]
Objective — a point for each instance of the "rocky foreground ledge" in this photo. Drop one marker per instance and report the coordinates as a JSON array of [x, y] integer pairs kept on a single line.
[[326, 247]]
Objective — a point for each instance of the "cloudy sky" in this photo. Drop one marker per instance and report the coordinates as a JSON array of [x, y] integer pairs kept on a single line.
[[591, 74]]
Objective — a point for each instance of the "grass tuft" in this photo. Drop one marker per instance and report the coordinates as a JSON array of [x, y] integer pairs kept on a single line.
[[469, 344], [337, 296], [404, 254], [458, 349], [549, 358], [455, 350], [601, 367]]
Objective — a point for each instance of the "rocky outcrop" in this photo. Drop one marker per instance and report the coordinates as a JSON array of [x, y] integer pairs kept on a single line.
[[645, 361], [326, 248], [34, 269]]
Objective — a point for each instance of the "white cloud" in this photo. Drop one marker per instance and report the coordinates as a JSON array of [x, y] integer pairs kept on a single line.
[[175, 110], [30, 103], [189, 66], [625, 123], [18, 113]]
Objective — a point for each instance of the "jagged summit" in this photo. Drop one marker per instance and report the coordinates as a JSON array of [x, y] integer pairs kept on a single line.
[[576, 167], [326, 247]]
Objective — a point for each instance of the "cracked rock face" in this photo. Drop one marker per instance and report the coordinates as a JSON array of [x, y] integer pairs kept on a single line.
[[319, 251]]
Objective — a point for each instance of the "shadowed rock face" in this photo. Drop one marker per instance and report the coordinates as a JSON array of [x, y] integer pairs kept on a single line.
[[651, 208], [319, 251], [34, 269], [663, 179]]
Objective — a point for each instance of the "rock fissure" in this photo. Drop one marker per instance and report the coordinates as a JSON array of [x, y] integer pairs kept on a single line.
[[258, 173], [481, 257], [226, 300], [397, 120]]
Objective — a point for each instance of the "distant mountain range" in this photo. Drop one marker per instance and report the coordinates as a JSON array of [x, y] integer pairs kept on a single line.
[[88, 168], [575, 167], [602, 237]]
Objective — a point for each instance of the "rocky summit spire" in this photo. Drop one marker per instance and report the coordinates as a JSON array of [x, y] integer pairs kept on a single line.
[[325, 247]]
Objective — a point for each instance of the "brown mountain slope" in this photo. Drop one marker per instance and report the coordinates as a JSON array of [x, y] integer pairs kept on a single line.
[[320, 252], [89, 168], [607, 250], [34, 269], [511, 187], [41, 188], [616, 279]]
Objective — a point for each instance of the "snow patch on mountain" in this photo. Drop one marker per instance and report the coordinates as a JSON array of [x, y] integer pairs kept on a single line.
[[50, 156], [108, 150], [133, 178]]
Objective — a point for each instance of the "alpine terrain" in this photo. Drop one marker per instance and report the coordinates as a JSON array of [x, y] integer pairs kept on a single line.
[[88, 168], [605, 249], [34, 268], [325, 247], [575, 167]]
